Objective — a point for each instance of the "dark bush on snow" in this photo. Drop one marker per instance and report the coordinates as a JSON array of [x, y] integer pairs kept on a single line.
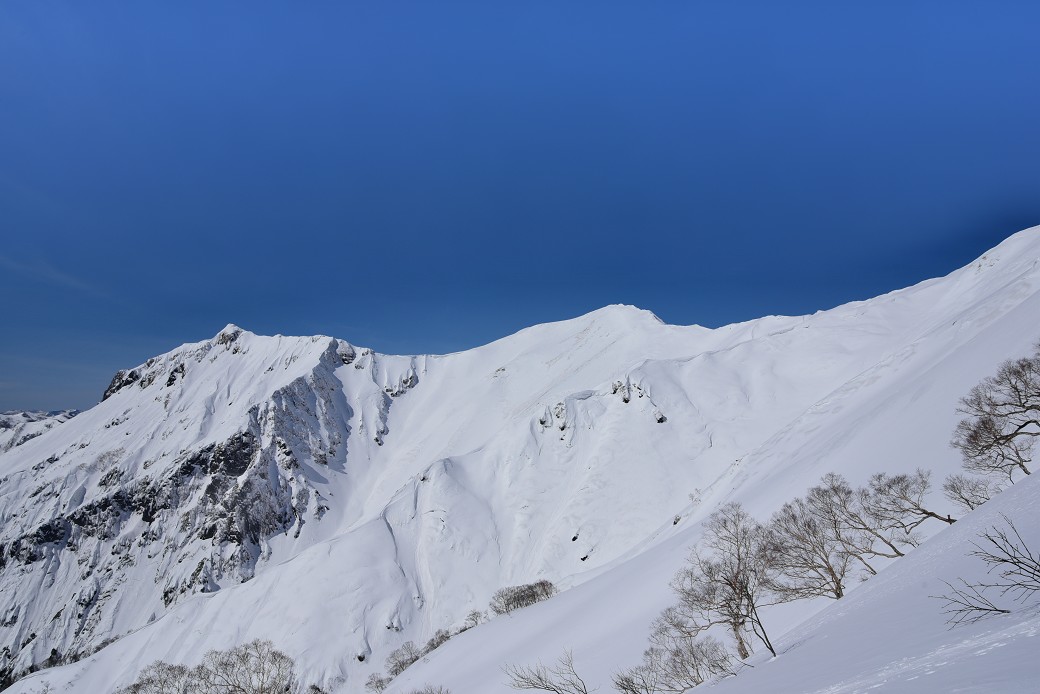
[[514, 597]]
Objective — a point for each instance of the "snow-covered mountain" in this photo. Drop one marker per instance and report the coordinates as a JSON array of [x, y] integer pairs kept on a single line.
[[341, 502], [18, 427]]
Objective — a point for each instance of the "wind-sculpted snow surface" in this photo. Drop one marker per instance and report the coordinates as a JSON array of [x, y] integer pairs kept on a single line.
[[340, 502]]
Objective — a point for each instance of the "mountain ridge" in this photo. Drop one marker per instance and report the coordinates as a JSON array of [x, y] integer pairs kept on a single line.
[[220, 476]]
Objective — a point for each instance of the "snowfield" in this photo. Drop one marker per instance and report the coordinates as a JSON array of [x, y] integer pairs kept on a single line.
[[17, 428], [340, 502], [886, 635]]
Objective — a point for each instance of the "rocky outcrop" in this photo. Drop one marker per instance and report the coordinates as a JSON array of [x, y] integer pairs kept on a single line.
[[196, 524], [121, 380]]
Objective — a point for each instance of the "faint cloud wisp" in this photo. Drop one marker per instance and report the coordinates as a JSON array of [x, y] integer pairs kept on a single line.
[[41, 271]]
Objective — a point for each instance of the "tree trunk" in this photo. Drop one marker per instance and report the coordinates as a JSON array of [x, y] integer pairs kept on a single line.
[[738, 637]]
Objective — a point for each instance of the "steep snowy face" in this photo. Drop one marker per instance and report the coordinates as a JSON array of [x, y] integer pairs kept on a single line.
[[341, 502], [171, 486], [18, 427]]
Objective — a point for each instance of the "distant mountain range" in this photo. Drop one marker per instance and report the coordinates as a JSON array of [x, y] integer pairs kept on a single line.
[[17, 427]]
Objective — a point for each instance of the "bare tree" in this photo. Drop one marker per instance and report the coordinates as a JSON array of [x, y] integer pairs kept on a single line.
[[810, 557], [475, 618], [899, 500], [967, 604], [1016, 572], [729, 586], [560, 678], [430, 689], [848, 514], [252, 668], [400, 658], [1016, 566], [377, 682], [676, 661], [439, 638], [970, 491], [644, 678], [686, 661], [1002, 420], [163, 678]]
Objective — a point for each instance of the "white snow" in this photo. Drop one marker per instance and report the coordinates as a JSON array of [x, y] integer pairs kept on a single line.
[[448, 477], [18, 427]]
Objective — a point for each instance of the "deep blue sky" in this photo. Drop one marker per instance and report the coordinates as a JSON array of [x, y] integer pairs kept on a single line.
[[429, 176]]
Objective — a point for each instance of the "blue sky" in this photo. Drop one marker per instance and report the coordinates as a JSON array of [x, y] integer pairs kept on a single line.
[[427, 177]]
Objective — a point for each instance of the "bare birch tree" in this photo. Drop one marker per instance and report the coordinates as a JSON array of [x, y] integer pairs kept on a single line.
[[675, 662], [809, 552], [729, 586], [256, 667], [1002, 420], [970, 491], [900, 500], [863, 534]]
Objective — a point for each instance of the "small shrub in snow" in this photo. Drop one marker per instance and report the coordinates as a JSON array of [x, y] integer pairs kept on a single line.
[[439, 638], [512, 598], [430, 689], [399, 659], [475, 618], [377, 683]]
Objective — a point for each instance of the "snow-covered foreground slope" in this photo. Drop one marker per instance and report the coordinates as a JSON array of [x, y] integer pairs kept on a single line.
[[891, 636], [340, 502], [888, 635]]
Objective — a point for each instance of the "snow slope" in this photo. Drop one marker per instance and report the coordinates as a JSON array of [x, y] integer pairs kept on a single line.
[[891, 634], [341, 502], [18, 427], [888, 634]]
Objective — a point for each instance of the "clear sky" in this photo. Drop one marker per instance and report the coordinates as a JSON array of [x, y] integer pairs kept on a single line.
[[429, 176]]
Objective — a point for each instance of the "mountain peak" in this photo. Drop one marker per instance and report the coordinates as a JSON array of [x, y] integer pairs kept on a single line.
[[229, 330], [625, 312]]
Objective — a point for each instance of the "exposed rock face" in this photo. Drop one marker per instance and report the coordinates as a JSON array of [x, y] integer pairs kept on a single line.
[[203, 523], [121, 380], [193, 520]]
